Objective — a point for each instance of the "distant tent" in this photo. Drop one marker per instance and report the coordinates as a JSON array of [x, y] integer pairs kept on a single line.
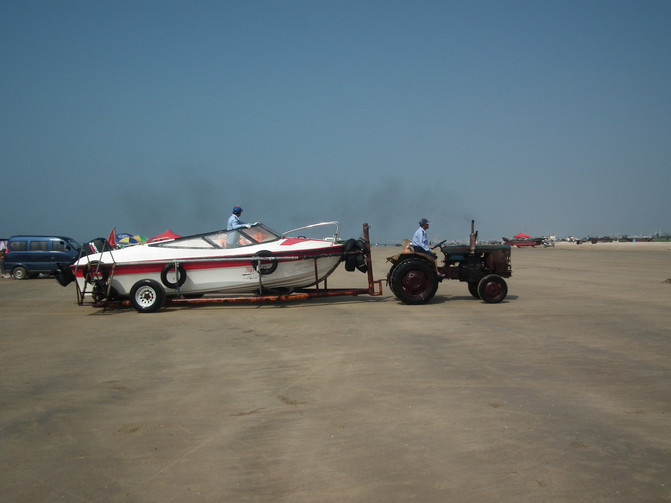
[[522, 236], [166, 235]]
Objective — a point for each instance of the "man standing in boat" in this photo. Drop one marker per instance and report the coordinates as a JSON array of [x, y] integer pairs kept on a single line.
[[234, 223]]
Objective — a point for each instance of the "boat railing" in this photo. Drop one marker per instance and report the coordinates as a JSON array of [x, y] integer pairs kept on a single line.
[[312, 226]]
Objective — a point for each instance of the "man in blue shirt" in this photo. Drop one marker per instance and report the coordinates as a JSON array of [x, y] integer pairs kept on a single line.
[[420, 242], [234, 223]]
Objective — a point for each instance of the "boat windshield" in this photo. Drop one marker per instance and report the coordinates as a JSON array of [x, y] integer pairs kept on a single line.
[[256, 234]]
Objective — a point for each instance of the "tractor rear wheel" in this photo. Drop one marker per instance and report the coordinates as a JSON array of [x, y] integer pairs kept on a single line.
[[414, 281]]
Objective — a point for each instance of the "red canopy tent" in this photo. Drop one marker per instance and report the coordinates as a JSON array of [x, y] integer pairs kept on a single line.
[[162, 237], [521, 235]]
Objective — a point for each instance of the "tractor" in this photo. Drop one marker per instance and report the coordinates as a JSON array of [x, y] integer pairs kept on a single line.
[[414, 277]]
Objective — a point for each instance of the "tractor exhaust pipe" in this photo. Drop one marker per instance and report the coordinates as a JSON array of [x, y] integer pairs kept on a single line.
[[473, 237]]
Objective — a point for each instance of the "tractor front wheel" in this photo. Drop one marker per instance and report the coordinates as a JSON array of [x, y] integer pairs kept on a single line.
[[492, 289]]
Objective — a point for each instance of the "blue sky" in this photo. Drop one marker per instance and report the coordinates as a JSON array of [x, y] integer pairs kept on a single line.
[[536, 116]]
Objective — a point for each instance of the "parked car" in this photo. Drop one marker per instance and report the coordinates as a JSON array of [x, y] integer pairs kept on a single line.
[[28, 256]]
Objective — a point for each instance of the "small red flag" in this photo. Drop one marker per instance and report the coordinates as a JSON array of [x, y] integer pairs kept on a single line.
[[112, 238]]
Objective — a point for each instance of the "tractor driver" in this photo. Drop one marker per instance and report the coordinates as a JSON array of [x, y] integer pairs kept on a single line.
[[420, 242]]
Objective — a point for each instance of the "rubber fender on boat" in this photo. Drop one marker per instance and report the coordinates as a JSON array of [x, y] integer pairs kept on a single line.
[[264, 266], [181, 275], [354, 255], [361, 264], [348, 256]]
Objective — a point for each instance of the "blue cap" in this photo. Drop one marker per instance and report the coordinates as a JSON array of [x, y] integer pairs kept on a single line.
[[237, 210]]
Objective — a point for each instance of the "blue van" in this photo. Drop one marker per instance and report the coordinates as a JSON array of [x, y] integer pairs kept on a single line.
[[28, 256]]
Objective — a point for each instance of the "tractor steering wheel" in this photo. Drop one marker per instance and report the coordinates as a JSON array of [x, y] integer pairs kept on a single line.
[[436, 246]]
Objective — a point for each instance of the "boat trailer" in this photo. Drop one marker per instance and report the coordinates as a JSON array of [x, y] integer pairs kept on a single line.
[[102, 296]]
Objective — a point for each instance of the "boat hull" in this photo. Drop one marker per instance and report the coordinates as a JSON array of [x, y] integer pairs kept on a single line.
[[221, 274]]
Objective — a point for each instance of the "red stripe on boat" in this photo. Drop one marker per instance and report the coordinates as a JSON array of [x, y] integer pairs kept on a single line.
[[157, 267]]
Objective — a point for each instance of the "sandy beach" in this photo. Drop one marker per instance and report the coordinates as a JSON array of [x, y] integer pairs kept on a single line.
[[560, 393]]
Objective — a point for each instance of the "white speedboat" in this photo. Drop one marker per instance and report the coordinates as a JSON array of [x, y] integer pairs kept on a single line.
[[250, 260]]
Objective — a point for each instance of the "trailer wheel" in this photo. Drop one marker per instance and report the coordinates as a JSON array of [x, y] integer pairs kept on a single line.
[[473, 289], [414, 281], [147, 296], [492, 289]]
